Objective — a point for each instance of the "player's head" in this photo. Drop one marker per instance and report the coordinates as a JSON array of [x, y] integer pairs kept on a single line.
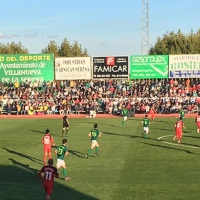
[[180, 118], [64, 141], [146, 116], [50, 161], [95, 125], [47, 131]]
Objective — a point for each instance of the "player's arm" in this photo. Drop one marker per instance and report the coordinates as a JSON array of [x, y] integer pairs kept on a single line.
[[40, 174], [100, 134], [56, 173], [52, 142], [66, 153], [67, 121], [56, 151], [89, 134]]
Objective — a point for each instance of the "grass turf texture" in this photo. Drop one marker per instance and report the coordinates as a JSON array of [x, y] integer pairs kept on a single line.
[[128, 166]]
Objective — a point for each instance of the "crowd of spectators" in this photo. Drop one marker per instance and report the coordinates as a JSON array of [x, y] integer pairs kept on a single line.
[[105, 96]]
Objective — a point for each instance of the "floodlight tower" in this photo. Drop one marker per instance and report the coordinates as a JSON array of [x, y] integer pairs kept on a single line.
[[145, 28]]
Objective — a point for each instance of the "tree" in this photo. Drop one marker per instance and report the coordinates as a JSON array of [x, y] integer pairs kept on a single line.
[[177, 43], [13, 48], [66, 49], [51, 48]]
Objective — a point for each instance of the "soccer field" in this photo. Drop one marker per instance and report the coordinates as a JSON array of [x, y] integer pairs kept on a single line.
[[128, 166]]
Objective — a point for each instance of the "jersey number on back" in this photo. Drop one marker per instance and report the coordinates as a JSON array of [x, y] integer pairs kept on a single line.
[[60, 151], [48, 175]]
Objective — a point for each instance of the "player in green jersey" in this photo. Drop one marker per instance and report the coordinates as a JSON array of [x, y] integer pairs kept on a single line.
[[125, 115], [181, 114], [93, 134], [145, 124], [61, 152]]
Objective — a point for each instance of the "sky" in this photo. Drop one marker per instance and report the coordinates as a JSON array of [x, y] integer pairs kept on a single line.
[[103, 27]]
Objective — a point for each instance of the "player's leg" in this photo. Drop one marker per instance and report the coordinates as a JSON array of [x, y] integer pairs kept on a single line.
[[124, 119], [198, 127], [49, 190], [90, 149], [144, 134], [49, 153], [66, 129], [96, 149], [63, 165], [63, 129], [45, 156], [179, 137]]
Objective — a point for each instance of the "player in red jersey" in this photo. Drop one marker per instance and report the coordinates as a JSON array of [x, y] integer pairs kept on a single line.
[[49, 172], [47, 141], [152, 113], [179, 125], [197, 120]]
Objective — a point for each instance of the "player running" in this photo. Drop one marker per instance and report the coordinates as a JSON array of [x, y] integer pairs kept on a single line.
[[152, 113], [47, 142], [65, 125], [197, 120], [61, 152], [49, 172], [125, 115], [179, 125], [145, 123], [93, 134], [181, 114]]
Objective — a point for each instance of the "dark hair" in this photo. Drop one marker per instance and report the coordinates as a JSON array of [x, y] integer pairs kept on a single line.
[[64, 141], [50, 161], [95, 125], [47, 131]]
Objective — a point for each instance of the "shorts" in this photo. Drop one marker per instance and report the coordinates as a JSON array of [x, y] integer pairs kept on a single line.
[[48, 189], [65, 125], [125, 118], [178, 133], [146, 129], [47, 149], [94, 143], [60, 163]]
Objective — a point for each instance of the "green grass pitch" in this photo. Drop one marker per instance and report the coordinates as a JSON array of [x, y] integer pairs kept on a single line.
[[128, 166]]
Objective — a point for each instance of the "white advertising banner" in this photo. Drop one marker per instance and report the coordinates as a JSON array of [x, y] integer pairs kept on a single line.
[[73, 68], [184, 66]]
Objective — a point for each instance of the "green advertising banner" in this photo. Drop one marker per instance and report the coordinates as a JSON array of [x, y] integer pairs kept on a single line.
[[149, 66], [26, 67]]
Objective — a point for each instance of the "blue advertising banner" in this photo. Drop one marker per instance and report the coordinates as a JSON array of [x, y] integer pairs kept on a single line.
[[184, 66]]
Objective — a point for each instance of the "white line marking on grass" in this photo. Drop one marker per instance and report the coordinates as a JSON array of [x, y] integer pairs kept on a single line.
[[175, 144]]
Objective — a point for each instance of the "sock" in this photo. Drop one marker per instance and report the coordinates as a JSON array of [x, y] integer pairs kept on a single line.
[[45, 159], [66, 131], [144, 134], [64, 172], [89, 151], [96, 150], [122, 123], [62, 132]]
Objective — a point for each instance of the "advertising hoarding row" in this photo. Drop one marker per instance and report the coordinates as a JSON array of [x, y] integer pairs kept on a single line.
[[26, 67], [34, 67]]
